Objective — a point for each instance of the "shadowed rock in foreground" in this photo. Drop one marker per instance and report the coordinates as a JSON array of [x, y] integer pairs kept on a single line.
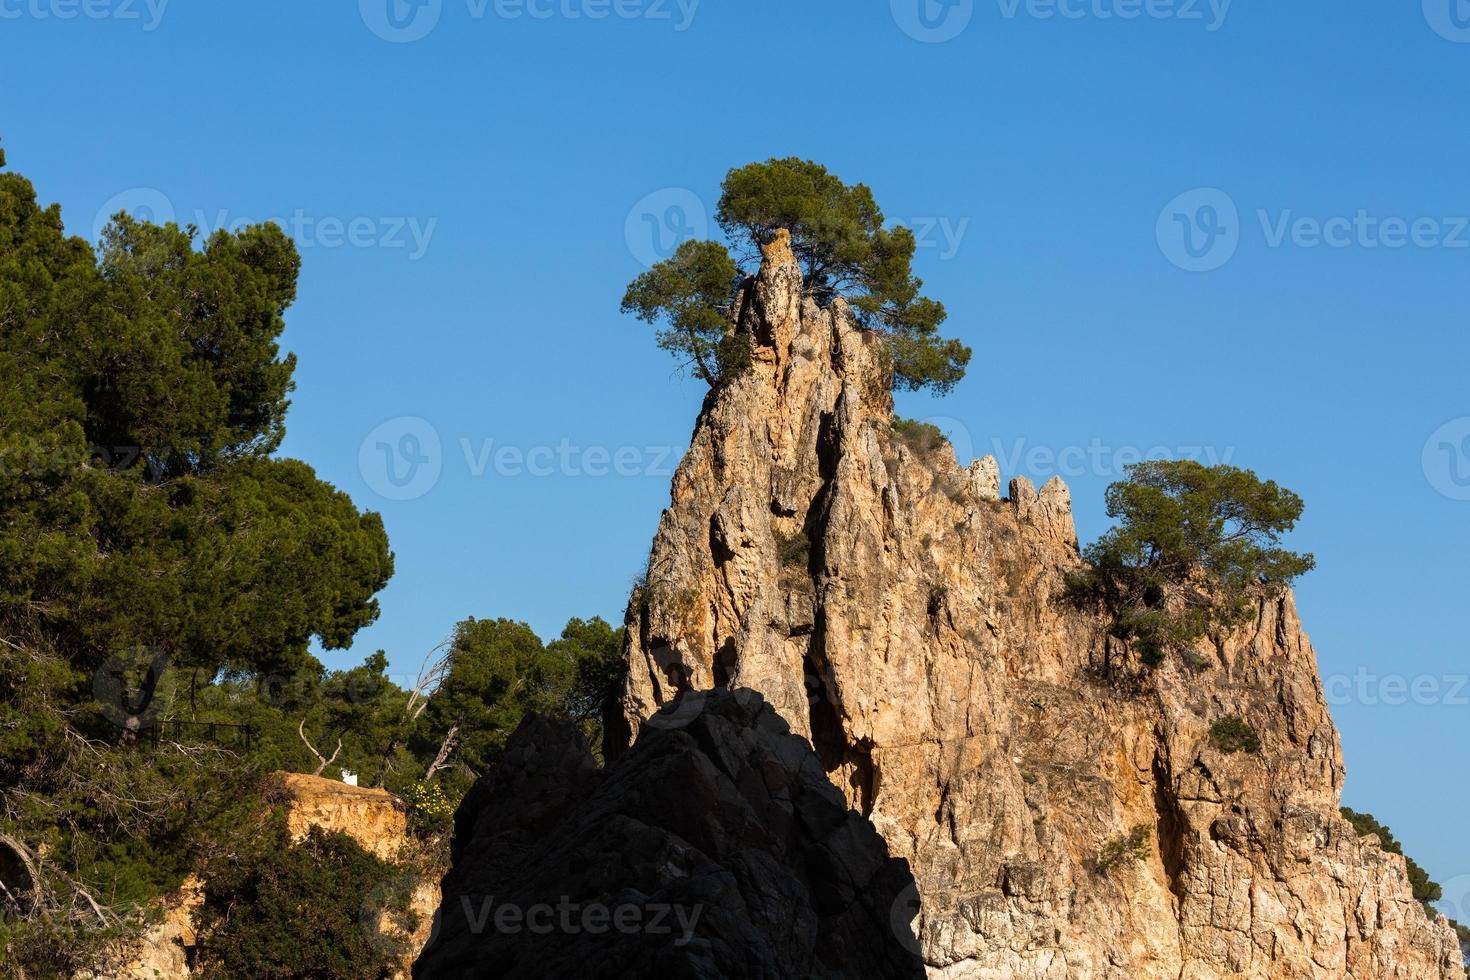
[[716, 847]]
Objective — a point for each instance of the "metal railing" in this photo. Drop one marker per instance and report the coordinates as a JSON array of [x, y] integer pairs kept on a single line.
[[214, 732]]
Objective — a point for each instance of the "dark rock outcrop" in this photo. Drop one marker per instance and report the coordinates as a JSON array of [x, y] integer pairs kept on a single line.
[[716, 847]]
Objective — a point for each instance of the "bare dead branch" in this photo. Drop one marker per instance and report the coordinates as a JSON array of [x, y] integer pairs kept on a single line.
[[301, 730], [442, 759]]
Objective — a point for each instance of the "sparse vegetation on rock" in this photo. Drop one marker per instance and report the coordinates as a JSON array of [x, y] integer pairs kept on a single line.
[[1129, 848], [1194, 550], [921, 437], [1233, 734]]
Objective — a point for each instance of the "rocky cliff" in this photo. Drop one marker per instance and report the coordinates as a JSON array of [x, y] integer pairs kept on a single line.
[[716, 848], [902, 615]]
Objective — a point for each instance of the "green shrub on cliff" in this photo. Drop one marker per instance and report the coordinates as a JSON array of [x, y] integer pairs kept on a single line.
[[1130, 848], [1233, 734], [1194, 549], [838, 238], [314, 908]]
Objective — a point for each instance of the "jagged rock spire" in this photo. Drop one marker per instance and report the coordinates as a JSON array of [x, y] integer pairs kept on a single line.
[[900, 615]]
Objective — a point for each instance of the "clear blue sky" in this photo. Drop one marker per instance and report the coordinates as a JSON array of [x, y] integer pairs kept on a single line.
[[501, 165]]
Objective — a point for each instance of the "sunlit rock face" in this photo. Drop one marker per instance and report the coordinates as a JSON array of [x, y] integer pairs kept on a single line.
[[903, 616]]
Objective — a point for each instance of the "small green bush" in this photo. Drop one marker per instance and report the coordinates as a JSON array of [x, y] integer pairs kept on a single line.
[[794, 551], [1130, 848], [281, 910], [1233, 734], [921, 437]]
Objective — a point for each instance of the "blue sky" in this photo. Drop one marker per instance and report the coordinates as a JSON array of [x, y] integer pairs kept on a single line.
[[470, 181]]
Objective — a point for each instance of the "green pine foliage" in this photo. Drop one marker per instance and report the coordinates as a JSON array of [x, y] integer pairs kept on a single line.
[[319, 907], [921, 437], [693, 291], [163, 574], [839, 238], [1194, 550], [501, 671], [148, 534]]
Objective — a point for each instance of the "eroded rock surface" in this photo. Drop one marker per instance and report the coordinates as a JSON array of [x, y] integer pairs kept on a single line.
[[717, 847], [900, 614]]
